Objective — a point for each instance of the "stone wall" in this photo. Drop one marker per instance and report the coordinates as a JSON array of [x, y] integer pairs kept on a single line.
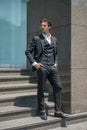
[[79, 56], [59, 13]]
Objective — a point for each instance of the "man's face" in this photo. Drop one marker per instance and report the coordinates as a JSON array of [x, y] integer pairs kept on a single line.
[[44, 27]]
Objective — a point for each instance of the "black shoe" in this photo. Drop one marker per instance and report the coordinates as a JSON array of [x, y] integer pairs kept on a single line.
[[43, 115], [60, 114]]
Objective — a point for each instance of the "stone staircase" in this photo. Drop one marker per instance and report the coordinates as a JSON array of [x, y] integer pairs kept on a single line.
[[18, 102]]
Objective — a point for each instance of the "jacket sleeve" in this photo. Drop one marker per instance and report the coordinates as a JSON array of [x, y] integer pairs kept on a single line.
[[56, 53], [29, 52]]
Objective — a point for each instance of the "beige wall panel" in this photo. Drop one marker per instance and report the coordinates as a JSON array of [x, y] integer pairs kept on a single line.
[[79, 47], [79, 12], [79, 90]]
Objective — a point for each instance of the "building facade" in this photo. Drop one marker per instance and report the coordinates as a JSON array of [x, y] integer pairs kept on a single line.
[[19, 22]]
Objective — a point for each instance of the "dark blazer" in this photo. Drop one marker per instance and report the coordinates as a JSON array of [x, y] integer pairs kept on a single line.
[[35, 49]]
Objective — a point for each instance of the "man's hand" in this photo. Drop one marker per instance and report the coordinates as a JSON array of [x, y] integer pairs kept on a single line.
[[38, 65]]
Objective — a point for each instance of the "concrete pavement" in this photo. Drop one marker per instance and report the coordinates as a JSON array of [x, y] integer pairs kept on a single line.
[[77, 126]]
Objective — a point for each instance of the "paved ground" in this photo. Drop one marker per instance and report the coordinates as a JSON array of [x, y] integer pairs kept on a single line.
[[77, 126]]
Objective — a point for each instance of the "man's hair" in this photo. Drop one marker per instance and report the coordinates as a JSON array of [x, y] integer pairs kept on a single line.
[[46, 20]]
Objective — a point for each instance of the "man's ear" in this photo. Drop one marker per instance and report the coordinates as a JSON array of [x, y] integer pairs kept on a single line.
[[49, 28]]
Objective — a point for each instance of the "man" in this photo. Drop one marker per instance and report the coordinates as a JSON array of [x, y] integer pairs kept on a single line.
[[42, 54]]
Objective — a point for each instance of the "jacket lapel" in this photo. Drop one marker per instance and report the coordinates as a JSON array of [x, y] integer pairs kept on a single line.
[[42, 39]]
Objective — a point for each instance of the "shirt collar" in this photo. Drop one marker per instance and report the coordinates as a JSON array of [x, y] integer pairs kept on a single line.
[[48, 37]]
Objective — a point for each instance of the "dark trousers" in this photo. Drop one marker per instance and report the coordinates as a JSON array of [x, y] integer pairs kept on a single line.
[[50, 73]]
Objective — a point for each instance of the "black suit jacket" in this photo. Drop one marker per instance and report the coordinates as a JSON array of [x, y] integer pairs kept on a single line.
[[35, 49]]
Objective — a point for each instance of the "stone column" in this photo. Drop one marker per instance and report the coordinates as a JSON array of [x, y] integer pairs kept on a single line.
[[78, 56]]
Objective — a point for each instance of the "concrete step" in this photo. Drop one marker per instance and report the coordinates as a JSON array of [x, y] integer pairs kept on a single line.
[[15, 112], [16, 88], [9, 79], [19, 98], [5, 71], [76, 126], [35, 123], [5, 74]]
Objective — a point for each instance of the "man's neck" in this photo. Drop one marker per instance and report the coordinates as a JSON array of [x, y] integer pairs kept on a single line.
[[47, 34]]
